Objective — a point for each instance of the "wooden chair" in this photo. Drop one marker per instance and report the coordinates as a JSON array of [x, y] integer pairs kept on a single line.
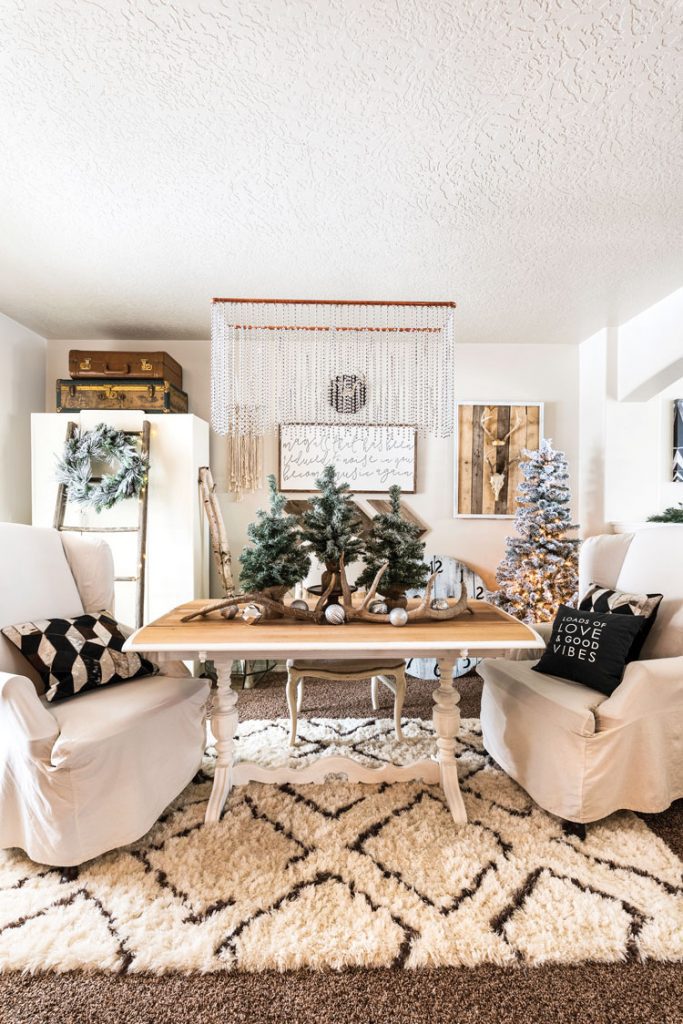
[[392, 673]]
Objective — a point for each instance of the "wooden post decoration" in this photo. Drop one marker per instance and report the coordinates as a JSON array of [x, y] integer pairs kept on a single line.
[[219, 538]]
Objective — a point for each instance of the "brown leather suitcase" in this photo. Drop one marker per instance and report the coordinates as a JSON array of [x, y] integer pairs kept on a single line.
[[141, 365], [148, 395]]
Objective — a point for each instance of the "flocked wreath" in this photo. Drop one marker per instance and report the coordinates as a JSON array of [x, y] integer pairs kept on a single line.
[[103, 444]]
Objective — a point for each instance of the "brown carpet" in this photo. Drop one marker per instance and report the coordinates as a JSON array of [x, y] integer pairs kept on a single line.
[[632, 993]]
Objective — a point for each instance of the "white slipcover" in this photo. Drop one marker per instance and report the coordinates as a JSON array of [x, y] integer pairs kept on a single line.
[[84, 776], [582, 755]]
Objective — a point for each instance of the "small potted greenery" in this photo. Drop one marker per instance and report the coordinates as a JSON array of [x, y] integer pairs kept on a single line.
[[394, 540], [331, 529]]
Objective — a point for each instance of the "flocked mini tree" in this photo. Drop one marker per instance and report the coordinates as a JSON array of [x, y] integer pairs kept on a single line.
[[276, 560], [394, 540], [540, 568], [330, 526]]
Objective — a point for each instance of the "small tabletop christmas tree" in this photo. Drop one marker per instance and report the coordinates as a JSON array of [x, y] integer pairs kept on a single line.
[[394, 540], [330, 525], [277, 560], [540, 568]]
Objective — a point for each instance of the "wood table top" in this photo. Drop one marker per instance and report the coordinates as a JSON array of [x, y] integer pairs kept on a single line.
[[487, 629]]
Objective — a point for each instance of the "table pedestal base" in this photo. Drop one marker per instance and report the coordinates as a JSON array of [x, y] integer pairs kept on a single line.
[[443, 768]]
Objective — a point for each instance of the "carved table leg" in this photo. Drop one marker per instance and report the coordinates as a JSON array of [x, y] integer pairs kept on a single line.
[[446, 717], [399, 698], [293, 703], [223, 725]]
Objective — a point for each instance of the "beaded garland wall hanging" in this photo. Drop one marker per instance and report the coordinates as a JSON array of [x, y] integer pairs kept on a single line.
[[278, 361]]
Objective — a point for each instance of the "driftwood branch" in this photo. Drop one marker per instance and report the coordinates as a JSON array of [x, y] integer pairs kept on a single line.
[[268, 604], [219, 538]]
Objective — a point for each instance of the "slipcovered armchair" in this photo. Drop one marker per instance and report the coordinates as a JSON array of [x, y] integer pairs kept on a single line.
[[580, 754], [88, 774]]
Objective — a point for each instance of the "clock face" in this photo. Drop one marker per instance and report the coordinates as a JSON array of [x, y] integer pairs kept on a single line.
[[348, 392], [452, 574]]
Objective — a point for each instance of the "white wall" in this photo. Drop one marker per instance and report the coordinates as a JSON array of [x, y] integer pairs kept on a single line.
[[591, 429], [629, 377], [650, 350], [547, 373], [22, 391]]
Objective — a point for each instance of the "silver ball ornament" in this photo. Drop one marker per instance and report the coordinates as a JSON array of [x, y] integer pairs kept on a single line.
[[378, 608], [251, 614], [335, 614], [398, 616], [439, 604], [230, 612], [300, 604]]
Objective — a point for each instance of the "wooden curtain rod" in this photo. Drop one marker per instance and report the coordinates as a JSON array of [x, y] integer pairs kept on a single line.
[[338, 302], [302, 327]]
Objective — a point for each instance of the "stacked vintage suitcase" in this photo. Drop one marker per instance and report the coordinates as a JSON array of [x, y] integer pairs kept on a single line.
[[151, 381]]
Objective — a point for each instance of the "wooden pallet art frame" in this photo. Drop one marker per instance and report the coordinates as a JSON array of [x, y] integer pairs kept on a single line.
[[490, 438]]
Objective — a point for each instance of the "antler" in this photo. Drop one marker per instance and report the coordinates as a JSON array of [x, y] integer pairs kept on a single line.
[[516, 423], [422, 612], [498, 442]]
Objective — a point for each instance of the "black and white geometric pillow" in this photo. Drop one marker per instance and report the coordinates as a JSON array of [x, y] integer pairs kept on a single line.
[[602, 599], [75, 655]]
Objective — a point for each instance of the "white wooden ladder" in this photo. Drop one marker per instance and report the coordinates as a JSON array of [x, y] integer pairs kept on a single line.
[[141, 528]]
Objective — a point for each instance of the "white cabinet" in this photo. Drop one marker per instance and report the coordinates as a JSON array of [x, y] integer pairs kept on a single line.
[[177, 535]]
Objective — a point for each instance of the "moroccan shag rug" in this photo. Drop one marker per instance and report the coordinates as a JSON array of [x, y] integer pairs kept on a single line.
[[338, 875]]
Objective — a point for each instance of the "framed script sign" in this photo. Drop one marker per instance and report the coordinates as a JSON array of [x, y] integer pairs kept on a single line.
[[369, 458]]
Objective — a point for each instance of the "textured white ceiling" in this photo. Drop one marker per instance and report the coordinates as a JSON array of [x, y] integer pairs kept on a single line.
[[522, 157]]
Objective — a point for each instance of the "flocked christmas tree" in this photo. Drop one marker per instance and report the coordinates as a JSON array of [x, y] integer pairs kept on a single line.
[[540, 568], [330, 525], [394, 540], [277, 560]]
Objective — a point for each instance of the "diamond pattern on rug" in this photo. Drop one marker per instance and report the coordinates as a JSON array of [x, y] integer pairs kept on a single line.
[[335, 875]]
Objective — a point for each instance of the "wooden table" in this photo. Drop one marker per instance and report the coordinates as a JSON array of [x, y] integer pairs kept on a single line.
[[485, 632]]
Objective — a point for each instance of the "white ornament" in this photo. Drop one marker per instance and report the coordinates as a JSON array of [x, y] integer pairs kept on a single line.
[[300, 604], [335, 614], [251, 614], [398, 616], [378, 608], [439, 604], [230, 612]]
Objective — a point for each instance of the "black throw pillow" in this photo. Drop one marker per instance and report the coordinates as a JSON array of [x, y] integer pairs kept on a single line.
[[618, 602], [590, 647], [78, 654]]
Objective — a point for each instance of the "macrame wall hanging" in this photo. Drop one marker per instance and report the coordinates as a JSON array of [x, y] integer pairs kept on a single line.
[[245, 463], [289, 361]]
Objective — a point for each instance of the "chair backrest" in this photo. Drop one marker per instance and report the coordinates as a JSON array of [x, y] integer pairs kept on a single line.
[[649, 561], [35, 583]]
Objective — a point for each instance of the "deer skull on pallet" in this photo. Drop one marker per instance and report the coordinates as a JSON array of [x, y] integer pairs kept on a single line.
[[496, 480], [497, 477]]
